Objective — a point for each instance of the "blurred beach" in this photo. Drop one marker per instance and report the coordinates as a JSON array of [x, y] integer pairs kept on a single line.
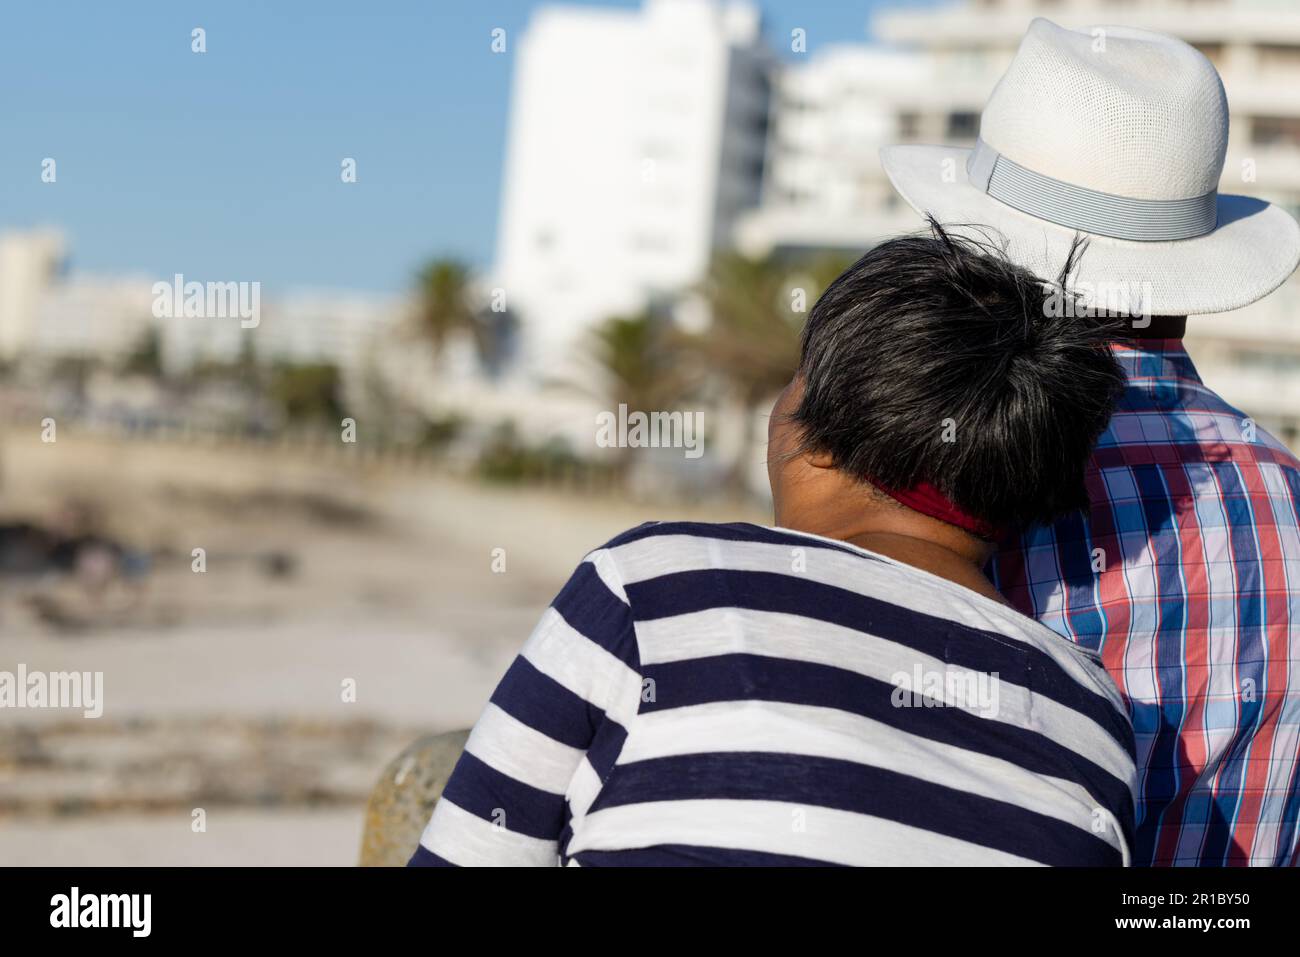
[[224, 689]]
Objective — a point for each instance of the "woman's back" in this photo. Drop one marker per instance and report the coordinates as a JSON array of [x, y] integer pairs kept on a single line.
[[732, 694]]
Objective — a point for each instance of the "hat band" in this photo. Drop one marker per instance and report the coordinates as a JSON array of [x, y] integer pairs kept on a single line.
[[1120, 217]]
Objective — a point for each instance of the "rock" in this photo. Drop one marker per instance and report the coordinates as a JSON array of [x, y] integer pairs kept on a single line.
[[404, 797]]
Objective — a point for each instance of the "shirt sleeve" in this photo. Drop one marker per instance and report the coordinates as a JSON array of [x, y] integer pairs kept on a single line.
[[505, 802]]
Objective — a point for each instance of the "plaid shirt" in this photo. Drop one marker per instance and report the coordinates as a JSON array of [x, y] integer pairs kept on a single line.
[[1185, 574]]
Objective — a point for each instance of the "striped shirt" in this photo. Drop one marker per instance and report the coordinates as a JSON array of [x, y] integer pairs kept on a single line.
[[1185, 575], [733, 694]]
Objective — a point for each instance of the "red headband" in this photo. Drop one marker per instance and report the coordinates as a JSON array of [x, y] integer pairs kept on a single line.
[[928, 500]]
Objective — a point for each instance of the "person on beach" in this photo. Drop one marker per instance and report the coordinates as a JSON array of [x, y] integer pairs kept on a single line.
[[846, 687]]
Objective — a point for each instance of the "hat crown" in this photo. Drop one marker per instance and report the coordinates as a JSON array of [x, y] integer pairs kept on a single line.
[[1111, 109]]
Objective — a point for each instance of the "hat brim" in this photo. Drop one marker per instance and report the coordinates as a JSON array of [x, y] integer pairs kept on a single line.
[[1252, 250]]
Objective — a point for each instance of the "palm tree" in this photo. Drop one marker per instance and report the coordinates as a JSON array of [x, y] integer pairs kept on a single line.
[[753, 339], [443, 303], [640, 361], [445, 308]]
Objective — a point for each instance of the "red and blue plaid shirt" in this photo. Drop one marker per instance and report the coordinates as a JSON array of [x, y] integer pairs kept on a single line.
[[1185, 575]]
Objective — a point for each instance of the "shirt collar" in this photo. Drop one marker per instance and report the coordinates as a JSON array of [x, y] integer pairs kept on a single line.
[[1158, 359]]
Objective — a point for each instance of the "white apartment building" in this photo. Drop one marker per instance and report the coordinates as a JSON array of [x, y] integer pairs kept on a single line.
[[313, 326], [635, 139], [322, 326], [104, 318], [29, 263], [823, 186], [47, 314]]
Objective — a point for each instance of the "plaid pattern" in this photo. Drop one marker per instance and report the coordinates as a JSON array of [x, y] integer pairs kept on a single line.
[[1185, 575]]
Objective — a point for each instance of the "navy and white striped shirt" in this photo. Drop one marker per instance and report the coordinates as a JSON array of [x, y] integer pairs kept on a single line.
[[733, 694]]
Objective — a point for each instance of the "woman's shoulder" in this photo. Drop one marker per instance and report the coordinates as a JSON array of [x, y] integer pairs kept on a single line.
[[667, 533]]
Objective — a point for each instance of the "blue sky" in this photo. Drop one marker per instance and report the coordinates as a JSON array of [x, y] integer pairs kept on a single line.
[[225, 165]]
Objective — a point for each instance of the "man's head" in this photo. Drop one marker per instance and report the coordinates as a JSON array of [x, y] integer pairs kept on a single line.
[[1120, 135], [935, 362]]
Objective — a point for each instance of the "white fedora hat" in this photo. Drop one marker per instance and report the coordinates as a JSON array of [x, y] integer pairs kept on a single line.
[[1119, 135]]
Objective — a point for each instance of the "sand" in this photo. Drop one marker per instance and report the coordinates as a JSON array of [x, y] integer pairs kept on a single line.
[[228, 690]]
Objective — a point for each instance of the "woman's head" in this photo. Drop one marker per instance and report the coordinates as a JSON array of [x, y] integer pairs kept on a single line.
[[935, 363]]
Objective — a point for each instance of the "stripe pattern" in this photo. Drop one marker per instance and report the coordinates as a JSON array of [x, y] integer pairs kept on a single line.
[[1185, 575], [732, 694], [1106, 214]]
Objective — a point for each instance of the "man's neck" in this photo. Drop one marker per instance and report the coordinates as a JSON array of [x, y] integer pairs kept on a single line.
[[1161, 327]]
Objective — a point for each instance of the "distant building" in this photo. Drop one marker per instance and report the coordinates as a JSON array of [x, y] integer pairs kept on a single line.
[[29, 262], [824, 187], [636, 138], [46, 314], [306, 327], [104, 318]]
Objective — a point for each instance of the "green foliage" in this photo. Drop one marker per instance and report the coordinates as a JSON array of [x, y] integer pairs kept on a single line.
[[445, 308], [642, 361], [146, 357], [506, 458], [307, 392], [438, 433], [753, 341], [443, 301], [758, 308]]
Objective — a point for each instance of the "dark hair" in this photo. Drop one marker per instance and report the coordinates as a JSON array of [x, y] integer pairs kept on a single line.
[[935, 359]]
